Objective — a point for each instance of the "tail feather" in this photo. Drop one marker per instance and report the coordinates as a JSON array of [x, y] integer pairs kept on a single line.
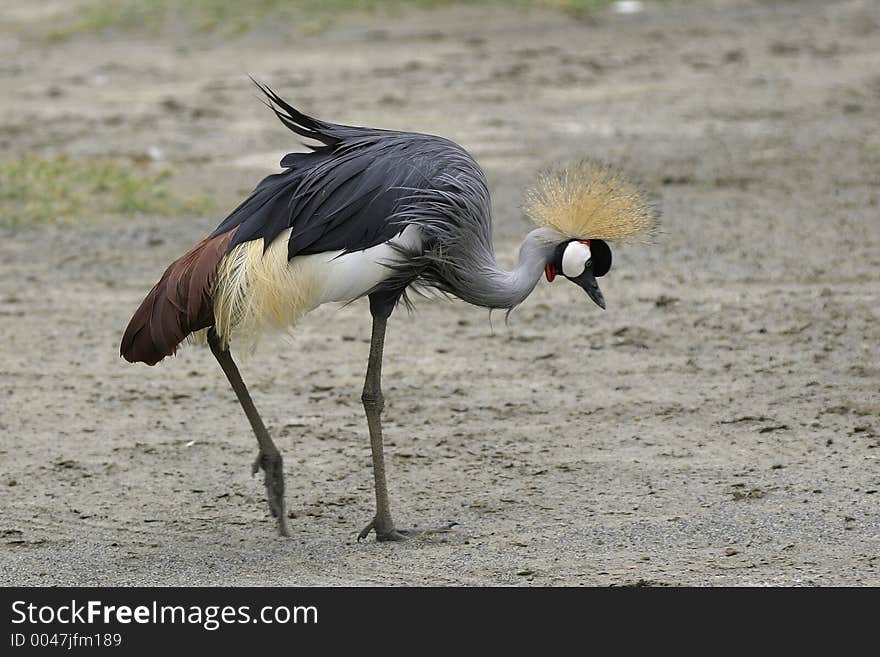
[[179, 304]]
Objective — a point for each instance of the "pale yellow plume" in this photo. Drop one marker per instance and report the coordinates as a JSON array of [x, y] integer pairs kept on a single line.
[[590, 201], [259, 289]]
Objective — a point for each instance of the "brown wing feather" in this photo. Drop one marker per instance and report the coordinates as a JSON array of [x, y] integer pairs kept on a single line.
[[179, 304]]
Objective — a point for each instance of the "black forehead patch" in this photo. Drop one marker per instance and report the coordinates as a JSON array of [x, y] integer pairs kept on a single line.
[[601, 256]]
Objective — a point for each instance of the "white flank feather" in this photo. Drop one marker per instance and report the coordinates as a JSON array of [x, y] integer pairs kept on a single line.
[[258, 292]]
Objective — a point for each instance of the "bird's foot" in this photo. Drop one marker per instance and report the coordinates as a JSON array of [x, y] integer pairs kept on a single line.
[[383, 534], [273, 467]]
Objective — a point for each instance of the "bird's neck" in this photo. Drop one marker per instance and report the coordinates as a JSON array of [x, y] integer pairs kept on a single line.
[[497, 288]]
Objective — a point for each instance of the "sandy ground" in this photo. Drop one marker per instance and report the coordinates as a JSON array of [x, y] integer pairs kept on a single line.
[[719, 424]]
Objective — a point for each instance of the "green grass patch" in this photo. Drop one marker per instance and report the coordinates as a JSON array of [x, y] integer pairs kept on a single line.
[[36, 189], [229, 17]]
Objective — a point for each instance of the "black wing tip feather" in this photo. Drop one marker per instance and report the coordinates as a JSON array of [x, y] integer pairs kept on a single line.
[[294, 120]]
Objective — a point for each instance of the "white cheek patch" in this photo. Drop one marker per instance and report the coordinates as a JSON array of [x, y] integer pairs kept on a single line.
[[574, 259]]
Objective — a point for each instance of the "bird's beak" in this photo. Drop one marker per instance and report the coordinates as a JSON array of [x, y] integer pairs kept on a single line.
[[591, 287]]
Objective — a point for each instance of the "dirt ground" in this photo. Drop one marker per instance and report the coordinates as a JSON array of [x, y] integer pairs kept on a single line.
[[719, 424]]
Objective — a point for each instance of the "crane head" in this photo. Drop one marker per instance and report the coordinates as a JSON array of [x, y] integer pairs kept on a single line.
[[582, 262], [588, 205]]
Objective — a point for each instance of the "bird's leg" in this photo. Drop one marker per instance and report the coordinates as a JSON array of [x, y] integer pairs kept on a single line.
[[374, 402], [269, 458]]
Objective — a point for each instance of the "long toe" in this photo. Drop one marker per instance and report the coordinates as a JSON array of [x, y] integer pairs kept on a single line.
[[428, 534], [431, 534], [392, 535]]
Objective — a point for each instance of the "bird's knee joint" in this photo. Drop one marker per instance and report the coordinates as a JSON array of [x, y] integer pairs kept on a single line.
[[373, 401], [269, 459]]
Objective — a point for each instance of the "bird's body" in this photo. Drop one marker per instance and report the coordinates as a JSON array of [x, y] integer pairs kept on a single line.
[[368, 213], [342, 221]]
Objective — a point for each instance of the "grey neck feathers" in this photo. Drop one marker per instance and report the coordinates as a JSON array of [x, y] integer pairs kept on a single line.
[[488, 285]]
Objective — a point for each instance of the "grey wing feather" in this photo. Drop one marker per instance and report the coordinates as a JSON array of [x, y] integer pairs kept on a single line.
[[348, 194]]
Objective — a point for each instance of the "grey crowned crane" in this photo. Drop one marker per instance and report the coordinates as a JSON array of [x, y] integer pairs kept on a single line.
[[369, 213]]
